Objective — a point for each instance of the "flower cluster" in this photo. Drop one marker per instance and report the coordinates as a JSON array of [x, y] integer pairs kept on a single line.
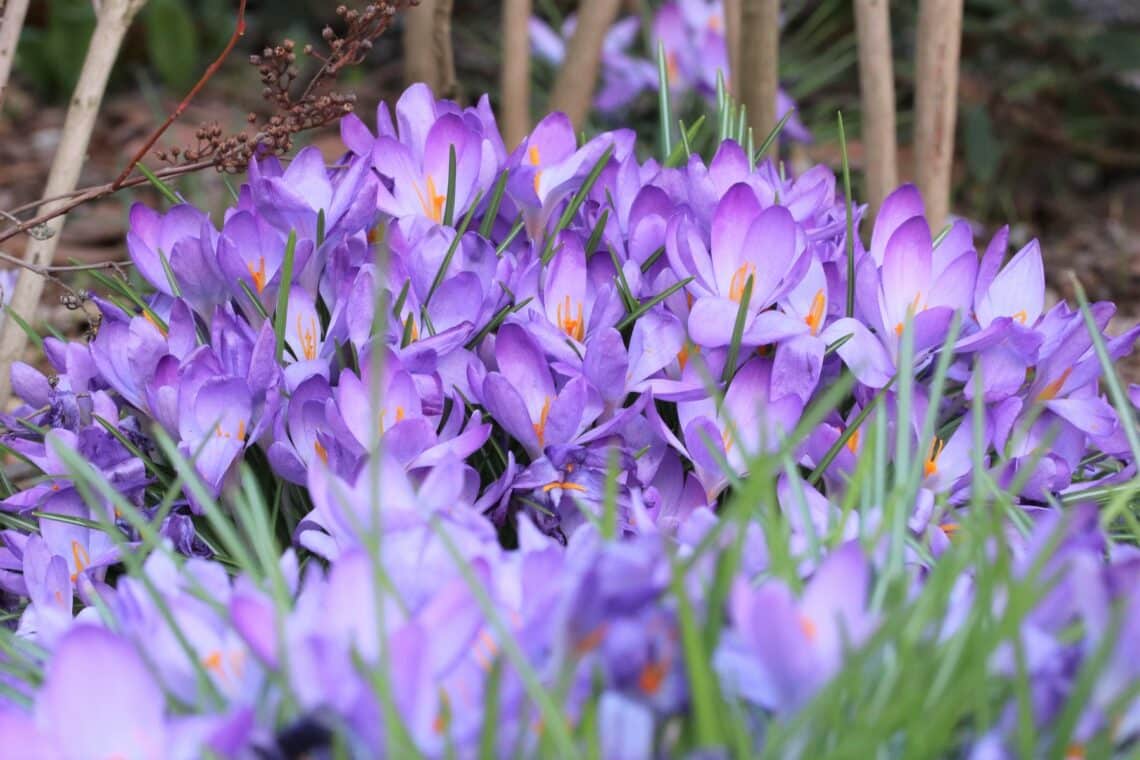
[[538, 427], [690, 34]]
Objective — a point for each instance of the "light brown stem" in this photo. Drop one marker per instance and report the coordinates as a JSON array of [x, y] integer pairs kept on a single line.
[[114, 18], [516, 71], [936, 102], [10, 26], [420, 62], [759, 63], [576, 80], [732, 42], [877, 81]]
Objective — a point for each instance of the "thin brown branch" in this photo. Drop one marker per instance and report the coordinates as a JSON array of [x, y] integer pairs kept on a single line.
[[876, 79], [48, 271], [576, 80], [239, 32], [516, 71], [759, 63], [939, 41], [53, 207]]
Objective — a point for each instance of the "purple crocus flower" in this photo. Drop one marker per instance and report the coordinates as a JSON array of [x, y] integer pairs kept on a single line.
[[128, 719], [752, 420], [522, 397], [747, 242], [784, 649], [904, 278]]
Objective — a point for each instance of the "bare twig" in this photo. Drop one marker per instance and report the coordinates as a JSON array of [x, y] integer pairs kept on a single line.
[[516, 71], [936, 102], [876, 78], [55, 205], [10, 26], [759, 63], [114, 19], [239, 31], [576, 80]]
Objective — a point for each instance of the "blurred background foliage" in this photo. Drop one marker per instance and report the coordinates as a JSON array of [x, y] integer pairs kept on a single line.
[[1050, 89]]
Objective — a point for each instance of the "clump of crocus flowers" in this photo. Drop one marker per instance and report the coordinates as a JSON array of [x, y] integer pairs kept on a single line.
[[447, 449], [690, 39]]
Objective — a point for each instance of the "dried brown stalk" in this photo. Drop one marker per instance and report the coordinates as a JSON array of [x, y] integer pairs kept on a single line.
[[936, 102], [759, 63], [876, 79], [574, 86], [516, 71], [113, 20]]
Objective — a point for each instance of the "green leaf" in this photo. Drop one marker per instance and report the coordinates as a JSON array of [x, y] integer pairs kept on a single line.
[[664, 109], [164, 189], [850, 310], [281, 315], [172, 42], [983, 149], [449, 203], [738, 330]]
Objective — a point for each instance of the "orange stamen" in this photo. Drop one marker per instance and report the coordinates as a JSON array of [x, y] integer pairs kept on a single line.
[[322, 452], [930, 466], [814, 319], [308, 337], [1050, 391], [651, 677], [808, 627], [532, 154], [1021, 317], [258, 275], [591, 640], [565, 485], [433, 203], [686, 351], [571, 324], [146, 315], [740, 280], [540, 426], [853, 441], [81, 558], [213, 663]]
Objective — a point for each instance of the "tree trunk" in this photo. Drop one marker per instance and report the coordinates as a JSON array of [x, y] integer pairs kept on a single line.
[[420, 63], [10, 26], [876, 78], [759, 63], [936, 103], [115, 17], [576, 80], [516, 71]]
